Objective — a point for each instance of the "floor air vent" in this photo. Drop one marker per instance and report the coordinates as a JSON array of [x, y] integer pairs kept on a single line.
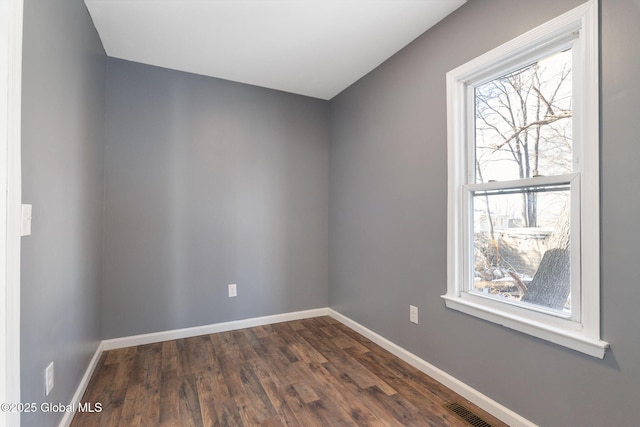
[[467, 415]]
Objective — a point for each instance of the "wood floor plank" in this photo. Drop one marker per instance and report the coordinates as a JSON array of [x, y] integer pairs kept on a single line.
[[255, 393], [262, 331], [228, 414], [273, 388], [308, 373], [356, 371], [121, 355], [133, 405], [400, 409], [207, 398], [169, 356], [247, 345], [189, 404], [201, 354], [361, 413], [169, 406]]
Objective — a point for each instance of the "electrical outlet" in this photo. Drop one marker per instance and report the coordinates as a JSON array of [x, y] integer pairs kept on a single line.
[[25, 229], [413, 314], [48, 379], [233, 290]]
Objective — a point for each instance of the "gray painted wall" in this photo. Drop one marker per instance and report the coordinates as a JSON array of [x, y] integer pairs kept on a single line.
[[388, 197], [63, 112], [208, 183]]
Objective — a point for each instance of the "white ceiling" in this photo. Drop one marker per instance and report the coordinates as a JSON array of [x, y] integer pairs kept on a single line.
[[308, 47]]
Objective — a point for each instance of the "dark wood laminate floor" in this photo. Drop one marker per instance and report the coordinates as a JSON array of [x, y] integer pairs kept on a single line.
[[312, 372]]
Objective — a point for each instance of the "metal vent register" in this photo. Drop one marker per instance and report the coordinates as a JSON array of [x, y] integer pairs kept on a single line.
[[467, 415]]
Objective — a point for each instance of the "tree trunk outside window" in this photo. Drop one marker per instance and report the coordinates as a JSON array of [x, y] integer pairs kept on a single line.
[[551, 285]]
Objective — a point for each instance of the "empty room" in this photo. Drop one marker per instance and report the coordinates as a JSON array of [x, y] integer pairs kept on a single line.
[[320, 212]]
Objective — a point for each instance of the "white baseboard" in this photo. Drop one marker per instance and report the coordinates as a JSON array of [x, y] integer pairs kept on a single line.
[[82, 387], [491, 406], [175, 334]]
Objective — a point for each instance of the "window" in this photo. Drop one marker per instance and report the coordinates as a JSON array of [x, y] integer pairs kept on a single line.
[[523, 139]]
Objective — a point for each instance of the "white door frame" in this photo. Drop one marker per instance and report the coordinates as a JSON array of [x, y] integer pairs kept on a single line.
[[10, 204]]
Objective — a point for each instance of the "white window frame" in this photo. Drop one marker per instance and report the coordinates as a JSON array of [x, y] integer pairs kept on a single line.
[[580, 331]]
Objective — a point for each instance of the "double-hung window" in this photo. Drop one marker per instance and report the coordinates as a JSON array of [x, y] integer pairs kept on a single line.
[[523, 201]]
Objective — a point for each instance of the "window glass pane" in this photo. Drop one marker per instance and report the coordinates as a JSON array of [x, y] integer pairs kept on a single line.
[[523, 122], [520, 262]]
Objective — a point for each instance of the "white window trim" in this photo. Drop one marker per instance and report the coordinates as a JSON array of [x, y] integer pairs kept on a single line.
[[582, 332]]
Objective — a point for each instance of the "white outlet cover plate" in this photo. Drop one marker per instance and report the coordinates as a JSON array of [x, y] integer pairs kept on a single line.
[[413, 314], [26, 220], [48, 379]]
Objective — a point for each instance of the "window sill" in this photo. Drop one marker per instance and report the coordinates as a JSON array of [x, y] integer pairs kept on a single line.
[[573, 339]]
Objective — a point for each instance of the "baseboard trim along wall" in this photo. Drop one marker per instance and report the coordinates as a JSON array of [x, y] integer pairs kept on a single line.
[[84, 382], [469, 393], [211, 329]]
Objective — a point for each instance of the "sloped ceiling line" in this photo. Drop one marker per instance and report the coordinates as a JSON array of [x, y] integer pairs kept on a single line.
[[315, 48]]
